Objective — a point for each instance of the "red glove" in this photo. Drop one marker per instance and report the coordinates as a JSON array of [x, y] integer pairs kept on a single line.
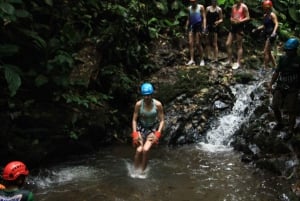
[[135, 138], [157, 135]]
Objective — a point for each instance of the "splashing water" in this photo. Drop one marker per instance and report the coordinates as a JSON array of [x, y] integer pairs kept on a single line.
[[219, 137], [139, 174]]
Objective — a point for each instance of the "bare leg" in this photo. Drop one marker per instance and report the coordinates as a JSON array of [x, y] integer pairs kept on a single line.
[[146, 150], [191, 45], [239, 40], [199, 45], [215, 45], [267, 53], [228, 47], [138, 157]]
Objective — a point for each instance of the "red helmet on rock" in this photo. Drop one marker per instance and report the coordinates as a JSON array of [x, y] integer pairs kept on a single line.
[[267, 4], [13, 170]]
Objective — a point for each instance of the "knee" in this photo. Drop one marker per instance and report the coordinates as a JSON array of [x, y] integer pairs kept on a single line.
[[145, 150]]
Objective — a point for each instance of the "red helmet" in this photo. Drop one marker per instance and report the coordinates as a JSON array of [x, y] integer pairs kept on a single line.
[[267, 4], [13, 170]]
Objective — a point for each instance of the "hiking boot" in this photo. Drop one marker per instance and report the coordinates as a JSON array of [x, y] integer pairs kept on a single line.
[[191, 62], [202, 63], [235, 66]]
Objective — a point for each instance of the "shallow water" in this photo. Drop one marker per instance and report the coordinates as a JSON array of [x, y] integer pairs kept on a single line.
[[179, 174]]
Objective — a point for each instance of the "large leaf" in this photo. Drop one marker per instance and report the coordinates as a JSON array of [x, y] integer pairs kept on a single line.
[[294, 13], [7, 8], [13, 78]]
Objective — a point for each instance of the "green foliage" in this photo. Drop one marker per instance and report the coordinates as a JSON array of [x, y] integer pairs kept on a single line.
[[85, 100], [12, 76]]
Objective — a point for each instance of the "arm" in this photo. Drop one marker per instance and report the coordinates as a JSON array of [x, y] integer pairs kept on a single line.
[[187, 20], [232, 19], [220, 17], [203, 16], [161, 116], [247, 15], [135, 116], [273, 80], [275, 20]]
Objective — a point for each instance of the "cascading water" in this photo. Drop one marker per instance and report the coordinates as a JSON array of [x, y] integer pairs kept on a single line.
[[219, 137]]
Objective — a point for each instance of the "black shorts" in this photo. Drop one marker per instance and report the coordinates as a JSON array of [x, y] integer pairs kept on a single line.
[[237, 28], [212, 29], [196, 27], [268, 36]]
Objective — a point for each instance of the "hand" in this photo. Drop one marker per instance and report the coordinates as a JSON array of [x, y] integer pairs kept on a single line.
[[157, 136], [273, 35], [135, 142], [135, 139]]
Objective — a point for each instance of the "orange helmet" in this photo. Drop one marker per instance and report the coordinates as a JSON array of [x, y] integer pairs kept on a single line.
[[267, 4], [13, 170]]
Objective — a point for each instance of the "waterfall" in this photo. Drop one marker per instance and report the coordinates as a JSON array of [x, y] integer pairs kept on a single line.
[[219, 136]]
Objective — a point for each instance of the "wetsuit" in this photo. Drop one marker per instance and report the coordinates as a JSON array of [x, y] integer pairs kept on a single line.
[[212, 17], [268, 27], [147, 122], [16, 195], [288, 83], [195, 19], [238, 13]]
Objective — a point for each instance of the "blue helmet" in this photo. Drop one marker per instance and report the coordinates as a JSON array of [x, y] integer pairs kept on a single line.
[[147, 89], [291, 44]]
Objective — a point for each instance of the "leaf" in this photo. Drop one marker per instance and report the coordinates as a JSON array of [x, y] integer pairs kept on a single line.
[[49, 2], [7, 8], [295, 14], [13, 78]]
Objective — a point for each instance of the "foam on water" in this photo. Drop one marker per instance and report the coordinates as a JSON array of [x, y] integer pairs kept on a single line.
[[137, 173]]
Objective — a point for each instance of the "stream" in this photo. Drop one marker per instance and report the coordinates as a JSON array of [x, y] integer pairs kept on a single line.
[[210, 170]]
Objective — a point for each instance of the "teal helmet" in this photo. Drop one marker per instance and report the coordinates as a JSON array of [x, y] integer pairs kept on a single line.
[[291, 44], [147, 89]]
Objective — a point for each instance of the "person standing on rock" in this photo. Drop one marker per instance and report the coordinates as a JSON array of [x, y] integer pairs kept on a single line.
[[14, 175], [147, 124], [239, 16], [286, 79], [214, 17], [270, 26], [195, 25]]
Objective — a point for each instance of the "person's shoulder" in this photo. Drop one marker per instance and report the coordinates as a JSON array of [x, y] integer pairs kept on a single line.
[[138, 103], [157, 102], [244, 5]]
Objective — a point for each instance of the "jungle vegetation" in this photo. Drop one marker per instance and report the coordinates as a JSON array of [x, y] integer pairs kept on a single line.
[[40, 41]]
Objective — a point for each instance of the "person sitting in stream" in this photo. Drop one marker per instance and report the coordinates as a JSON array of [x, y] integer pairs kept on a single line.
[[147, 124]]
